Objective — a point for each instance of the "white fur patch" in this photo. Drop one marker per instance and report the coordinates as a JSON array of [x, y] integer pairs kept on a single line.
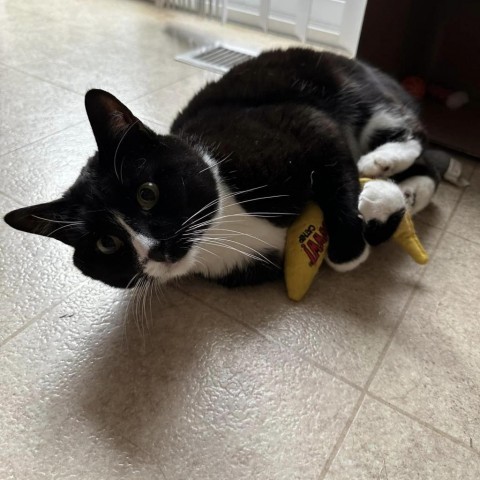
[[141, 243], [348, 266], [379, 199], [235, 238], [381, 120], [162, 270], [389, 158], [418, 192]]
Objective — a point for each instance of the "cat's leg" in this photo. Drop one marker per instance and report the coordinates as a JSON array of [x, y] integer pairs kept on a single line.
[[336, 189], [418, 184], [392, 139], [382, 205], [390, 158]]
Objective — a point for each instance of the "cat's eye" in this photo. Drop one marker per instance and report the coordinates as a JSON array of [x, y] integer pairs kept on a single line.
[[147, 195], [109, 244]]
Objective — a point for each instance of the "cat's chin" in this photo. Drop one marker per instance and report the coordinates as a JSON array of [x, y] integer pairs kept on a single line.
[[165, 271]]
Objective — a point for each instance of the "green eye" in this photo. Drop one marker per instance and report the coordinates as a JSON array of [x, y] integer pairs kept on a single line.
[[147, 195], [109, 244]]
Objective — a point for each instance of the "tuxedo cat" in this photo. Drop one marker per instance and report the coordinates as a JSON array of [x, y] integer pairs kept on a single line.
[[216, 195]]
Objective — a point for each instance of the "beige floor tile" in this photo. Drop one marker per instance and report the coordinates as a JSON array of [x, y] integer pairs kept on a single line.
[[165, 104], [203, 396], [345, 320], [116, 66], [466, 221], [445, 199], [383, 444], [43, 170], [432, 369], [44, 377], [27, 39], [34, 109], [35, 273]]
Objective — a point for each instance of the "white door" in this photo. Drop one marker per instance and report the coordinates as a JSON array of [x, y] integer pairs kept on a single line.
[[334, 22]]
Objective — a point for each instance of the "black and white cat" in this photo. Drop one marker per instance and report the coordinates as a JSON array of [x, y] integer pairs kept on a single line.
[[216, 195]]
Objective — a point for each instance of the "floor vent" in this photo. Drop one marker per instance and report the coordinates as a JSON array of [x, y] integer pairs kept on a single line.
[[218, 58]]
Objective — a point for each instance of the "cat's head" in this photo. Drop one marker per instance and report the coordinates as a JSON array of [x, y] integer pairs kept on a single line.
[[133, 207]]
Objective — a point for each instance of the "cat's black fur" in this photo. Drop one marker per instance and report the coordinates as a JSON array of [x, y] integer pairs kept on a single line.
[[275, 128]]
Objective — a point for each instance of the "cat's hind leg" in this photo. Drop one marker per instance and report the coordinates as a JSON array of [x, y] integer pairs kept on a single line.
[[392, 140], [418, 184], [389, 158]]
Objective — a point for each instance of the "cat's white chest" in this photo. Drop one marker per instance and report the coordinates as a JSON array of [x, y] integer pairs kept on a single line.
[[235, 238]]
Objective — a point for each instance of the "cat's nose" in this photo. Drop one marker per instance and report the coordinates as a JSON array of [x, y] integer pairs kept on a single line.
[[158, 254]]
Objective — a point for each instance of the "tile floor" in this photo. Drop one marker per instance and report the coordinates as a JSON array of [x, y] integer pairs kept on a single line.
[[376, 375]]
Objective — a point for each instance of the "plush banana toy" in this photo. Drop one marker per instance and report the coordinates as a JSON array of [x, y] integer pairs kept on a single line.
[[307, 242]]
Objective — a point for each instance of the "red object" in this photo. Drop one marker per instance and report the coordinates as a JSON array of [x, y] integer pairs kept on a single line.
[[415, 86]]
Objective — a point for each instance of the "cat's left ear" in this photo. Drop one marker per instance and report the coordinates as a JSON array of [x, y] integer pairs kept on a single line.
[[50, 219], [109, 118]]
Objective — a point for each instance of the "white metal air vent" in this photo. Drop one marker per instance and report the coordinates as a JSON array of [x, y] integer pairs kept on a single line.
[[218, 58]]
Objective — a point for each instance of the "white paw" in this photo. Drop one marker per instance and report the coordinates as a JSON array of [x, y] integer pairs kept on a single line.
[[389, 158], [373, 165], [379, 199], [418, 192], [352, 264]]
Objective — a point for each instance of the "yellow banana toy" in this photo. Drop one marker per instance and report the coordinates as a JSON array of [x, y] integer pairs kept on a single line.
[[307, 243]]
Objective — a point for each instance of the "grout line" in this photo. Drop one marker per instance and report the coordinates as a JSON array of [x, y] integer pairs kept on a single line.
[[155, 90], [476, 242], [376, 367], [38, 315], [423, 423], [41, 138], [36, 77], [341, 437], [382, 355]]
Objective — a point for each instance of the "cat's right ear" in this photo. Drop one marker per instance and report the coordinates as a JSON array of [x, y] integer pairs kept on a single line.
[[109, 118]]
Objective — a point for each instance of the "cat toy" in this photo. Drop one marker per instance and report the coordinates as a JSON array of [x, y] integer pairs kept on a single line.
[[307, 242]]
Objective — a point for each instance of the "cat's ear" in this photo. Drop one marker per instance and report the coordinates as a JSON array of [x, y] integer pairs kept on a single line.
[[50, 219], [109, 118]]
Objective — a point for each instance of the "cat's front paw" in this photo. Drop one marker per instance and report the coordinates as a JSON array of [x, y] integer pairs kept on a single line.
[[374, 165], [344, 263], [348, 249], [382, 206]]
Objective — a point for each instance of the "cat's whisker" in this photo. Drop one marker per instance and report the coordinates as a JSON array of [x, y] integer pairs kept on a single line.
[[61, 228], [216, 163], [207, 251], [138, 303], [260, 258], [240, 244], [70, 222], [220, 198], [132, 295], [245, 254], [249, 214], [238, 203], [236, 232]]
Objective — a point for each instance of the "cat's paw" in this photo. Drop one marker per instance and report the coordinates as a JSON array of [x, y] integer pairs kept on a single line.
[[347, 248], [389, 158], [418, 192], [344, 263], [382, 205], [374, 165]]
